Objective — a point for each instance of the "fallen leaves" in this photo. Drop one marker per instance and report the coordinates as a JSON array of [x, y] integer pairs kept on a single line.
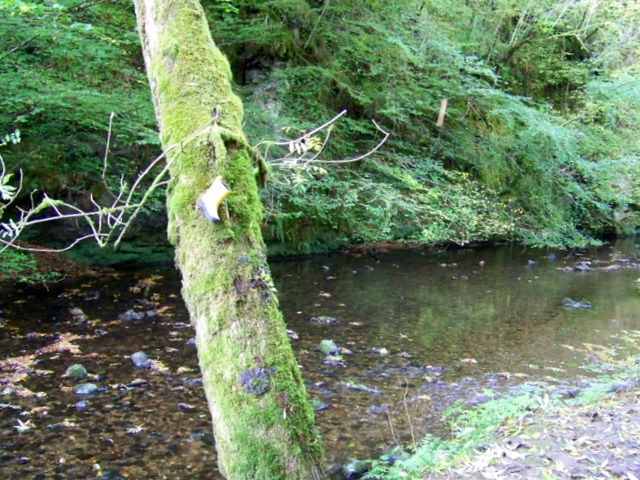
[[64, 343]]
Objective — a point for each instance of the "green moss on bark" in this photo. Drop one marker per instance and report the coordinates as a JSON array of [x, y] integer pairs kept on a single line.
[[238, 324]]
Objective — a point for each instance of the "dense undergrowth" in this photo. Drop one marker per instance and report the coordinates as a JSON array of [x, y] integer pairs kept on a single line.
[[539, 141]]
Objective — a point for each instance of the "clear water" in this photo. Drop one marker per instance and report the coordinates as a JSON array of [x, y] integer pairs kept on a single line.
[[488, 319], [455, 324]]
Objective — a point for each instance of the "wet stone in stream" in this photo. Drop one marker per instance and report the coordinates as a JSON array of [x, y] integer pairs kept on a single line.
[[85, 389], [76, 371], [140, 359]]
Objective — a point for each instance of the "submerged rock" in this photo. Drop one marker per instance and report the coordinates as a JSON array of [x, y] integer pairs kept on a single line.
[[358, 387], [131, 315], [380, 351], [323, 319], [90, 296], [318, 405], [328, 347], [335, 360], [354, 469], [76, 371], [85, 389], [582, 267], [567, 302], [140, 359]]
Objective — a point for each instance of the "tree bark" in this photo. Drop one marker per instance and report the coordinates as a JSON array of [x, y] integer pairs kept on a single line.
[[262, 423]]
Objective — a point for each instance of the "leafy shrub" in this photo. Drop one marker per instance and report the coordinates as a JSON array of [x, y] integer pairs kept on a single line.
[[16, 266]]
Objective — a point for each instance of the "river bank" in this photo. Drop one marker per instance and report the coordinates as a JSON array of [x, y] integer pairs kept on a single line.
[[590, 430]]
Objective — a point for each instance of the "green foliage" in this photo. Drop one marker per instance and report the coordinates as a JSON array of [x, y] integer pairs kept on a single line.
[[425, 203], [470, 430], [16, 266], [539, 142], [503, 165], [66, 67]]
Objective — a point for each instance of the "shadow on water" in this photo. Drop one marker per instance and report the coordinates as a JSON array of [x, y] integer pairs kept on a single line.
[[416, 330]]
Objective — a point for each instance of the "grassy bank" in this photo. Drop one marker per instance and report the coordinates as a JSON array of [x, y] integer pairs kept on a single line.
[[589, 430]]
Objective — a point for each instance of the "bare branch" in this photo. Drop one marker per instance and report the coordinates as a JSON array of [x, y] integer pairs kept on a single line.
[[306, 135], [103, 222], [365, 155], [17, 47], [76, 241], [110, 223], [106, 149], [301, 161]]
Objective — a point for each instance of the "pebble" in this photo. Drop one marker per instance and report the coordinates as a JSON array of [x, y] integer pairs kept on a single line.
[[139, 359], [328, 347], [85, 389], [76, 371], [131, 315]]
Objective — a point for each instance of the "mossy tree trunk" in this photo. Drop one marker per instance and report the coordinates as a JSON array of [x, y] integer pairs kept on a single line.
[[241, 338]]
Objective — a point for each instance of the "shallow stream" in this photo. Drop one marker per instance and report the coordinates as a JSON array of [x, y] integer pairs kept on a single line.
[[424, 328]]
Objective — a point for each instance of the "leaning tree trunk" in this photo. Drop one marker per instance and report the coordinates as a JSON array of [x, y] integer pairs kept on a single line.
[[262, 422]]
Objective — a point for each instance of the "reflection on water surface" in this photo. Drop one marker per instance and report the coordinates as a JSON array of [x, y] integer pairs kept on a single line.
[[424, 329]]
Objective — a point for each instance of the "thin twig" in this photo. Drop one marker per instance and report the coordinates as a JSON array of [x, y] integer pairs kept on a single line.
[[15, 246], [306, 135], [406, 409], [393, 433], [18, 47], [106, 150], [113, 216], [365, 155], [286, 161], [313, 30]]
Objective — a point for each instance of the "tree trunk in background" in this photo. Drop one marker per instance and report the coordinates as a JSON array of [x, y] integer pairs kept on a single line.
[[262, 422]]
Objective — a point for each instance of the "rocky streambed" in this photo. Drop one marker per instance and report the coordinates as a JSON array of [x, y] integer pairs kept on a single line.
[[100, 376]]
